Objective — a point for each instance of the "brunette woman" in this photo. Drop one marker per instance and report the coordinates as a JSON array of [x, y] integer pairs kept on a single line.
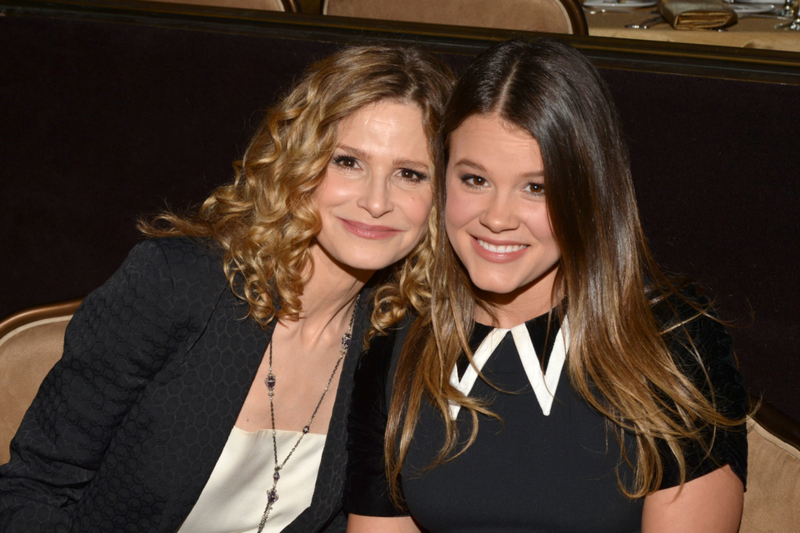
[[205, 386], [559, 381]]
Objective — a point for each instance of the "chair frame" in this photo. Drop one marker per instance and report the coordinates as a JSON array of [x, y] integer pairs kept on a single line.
[[777, 422], [40, 312], [574, 9], [577, 17]]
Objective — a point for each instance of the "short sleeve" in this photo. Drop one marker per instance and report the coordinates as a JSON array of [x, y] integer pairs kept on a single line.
[[366, 488], [724, 386]]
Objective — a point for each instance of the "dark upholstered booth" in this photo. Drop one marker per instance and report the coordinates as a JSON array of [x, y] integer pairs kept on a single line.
[[116, 109]]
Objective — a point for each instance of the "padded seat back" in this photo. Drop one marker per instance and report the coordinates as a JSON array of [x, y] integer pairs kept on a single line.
[[772, 500], [30, 344], [551, 16]]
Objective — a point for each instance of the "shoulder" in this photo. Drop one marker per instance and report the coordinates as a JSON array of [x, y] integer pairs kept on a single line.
[[176, 265], [373, 375], [378, 361], [690, 325], [703, 351], [372, 372], [178, 253], [692, 329], [161, 282]]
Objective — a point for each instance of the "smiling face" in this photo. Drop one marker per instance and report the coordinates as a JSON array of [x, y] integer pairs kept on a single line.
[[376, 195], [496, 216]]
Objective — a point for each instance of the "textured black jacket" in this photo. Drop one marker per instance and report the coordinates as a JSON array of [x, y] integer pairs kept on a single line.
[[127, 427]]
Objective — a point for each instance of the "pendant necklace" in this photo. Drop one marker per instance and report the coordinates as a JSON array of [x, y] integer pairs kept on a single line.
[[270, 381]]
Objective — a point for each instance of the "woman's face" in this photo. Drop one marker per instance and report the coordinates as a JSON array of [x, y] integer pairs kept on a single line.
[[376, 195], [496, 215]]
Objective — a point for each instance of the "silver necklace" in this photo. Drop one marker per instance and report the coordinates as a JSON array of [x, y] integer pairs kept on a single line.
[[270, 381]]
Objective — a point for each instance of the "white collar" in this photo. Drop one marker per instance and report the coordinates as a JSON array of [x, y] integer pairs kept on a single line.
[[544, 385]]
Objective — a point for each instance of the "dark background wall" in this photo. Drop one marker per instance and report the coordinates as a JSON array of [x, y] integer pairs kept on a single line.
[[101, 122]]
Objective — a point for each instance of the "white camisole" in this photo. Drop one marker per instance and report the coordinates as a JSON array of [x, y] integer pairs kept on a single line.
[[235, 496]]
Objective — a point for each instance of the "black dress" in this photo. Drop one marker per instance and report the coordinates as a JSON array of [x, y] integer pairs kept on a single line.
[[531, 472]]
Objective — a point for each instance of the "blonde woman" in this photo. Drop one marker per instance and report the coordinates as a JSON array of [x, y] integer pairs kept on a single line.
[[560, 382], [204, 387]]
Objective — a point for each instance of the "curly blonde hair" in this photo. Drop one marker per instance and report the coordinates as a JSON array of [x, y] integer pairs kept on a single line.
[[265, 220]]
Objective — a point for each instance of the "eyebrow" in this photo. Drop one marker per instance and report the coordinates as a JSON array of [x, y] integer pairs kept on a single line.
[[470, 163], [401, 162], [477, 166]]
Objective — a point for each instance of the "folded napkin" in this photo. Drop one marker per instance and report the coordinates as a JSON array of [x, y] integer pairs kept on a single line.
[[697, 14]]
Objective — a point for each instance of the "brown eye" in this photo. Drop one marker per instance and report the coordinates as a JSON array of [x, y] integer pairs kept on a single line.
[[536, 189], [345, 161], [472, 180], [412, 175]]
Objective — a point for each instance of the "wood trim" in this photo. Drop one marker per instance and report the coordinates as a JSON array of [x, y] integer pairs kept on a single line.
[[291, 6], [577, 18], [777, 422], [40, 312]]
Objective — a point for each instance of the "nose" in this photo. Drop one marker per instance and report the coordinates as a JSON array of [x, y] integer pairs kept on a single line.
[[499, 214], [376, 198]]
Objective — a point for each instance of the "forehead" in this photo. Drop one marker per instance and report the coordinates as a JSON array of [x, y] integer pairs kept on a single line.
[[410, 105], [393, 112], [385, 131], [492, 139]]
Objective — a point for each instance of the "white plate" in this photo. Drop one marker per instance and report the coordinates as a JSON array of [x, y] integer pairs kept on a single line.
[[628, 4], [751, 9]]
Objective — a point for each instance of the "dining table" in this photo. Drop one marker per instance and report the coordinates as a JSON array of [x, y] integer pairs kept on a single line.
[[757, 25]]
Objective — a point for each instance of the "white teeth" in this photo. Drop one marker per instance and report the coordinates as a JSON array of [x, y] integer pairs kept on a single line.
[[501, 249]]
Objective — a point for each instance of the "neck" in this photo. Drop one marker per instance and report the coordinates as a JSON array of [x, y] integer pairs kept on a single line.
[[328, 298], [521, 305]]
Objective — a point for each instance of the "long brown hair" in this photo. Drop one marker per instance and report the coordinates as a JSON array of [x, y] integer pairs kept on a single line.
[[265, 219], [619, 360]]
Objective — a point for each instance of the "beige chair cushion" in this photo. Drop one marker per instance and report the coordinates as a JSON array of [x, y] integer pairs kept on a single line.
[[528, 15], [26, 355], [264, 5], [772, 500]]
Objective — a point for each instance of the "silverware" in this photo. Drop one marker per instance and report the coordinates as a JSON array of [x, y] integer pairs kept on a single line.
[[603, 10], [647, 23], [598, 11]]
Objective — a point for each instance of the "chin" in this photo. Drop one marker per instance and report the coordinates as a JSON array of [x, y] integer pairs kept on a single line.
[[496, 286], [369, 263]]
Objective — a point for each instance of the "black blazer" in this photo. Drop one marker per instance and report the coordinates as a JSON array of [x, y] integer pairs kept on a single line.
[[127, 427]]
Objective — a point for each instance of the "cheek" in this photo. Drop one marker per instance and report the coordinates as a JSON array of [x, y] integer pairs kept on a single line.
[[332, 189], [418, 208], [458, 211], [538, 225]]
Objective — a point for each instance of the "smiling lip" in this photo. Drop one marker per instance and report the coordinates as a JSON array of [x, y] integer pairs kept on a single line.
[[368, 231], [499, 252]]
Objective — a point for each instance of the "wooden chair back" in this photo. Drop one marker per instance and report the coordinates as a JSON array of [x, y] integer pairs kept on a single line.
[[31, 342], [550, 16]]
